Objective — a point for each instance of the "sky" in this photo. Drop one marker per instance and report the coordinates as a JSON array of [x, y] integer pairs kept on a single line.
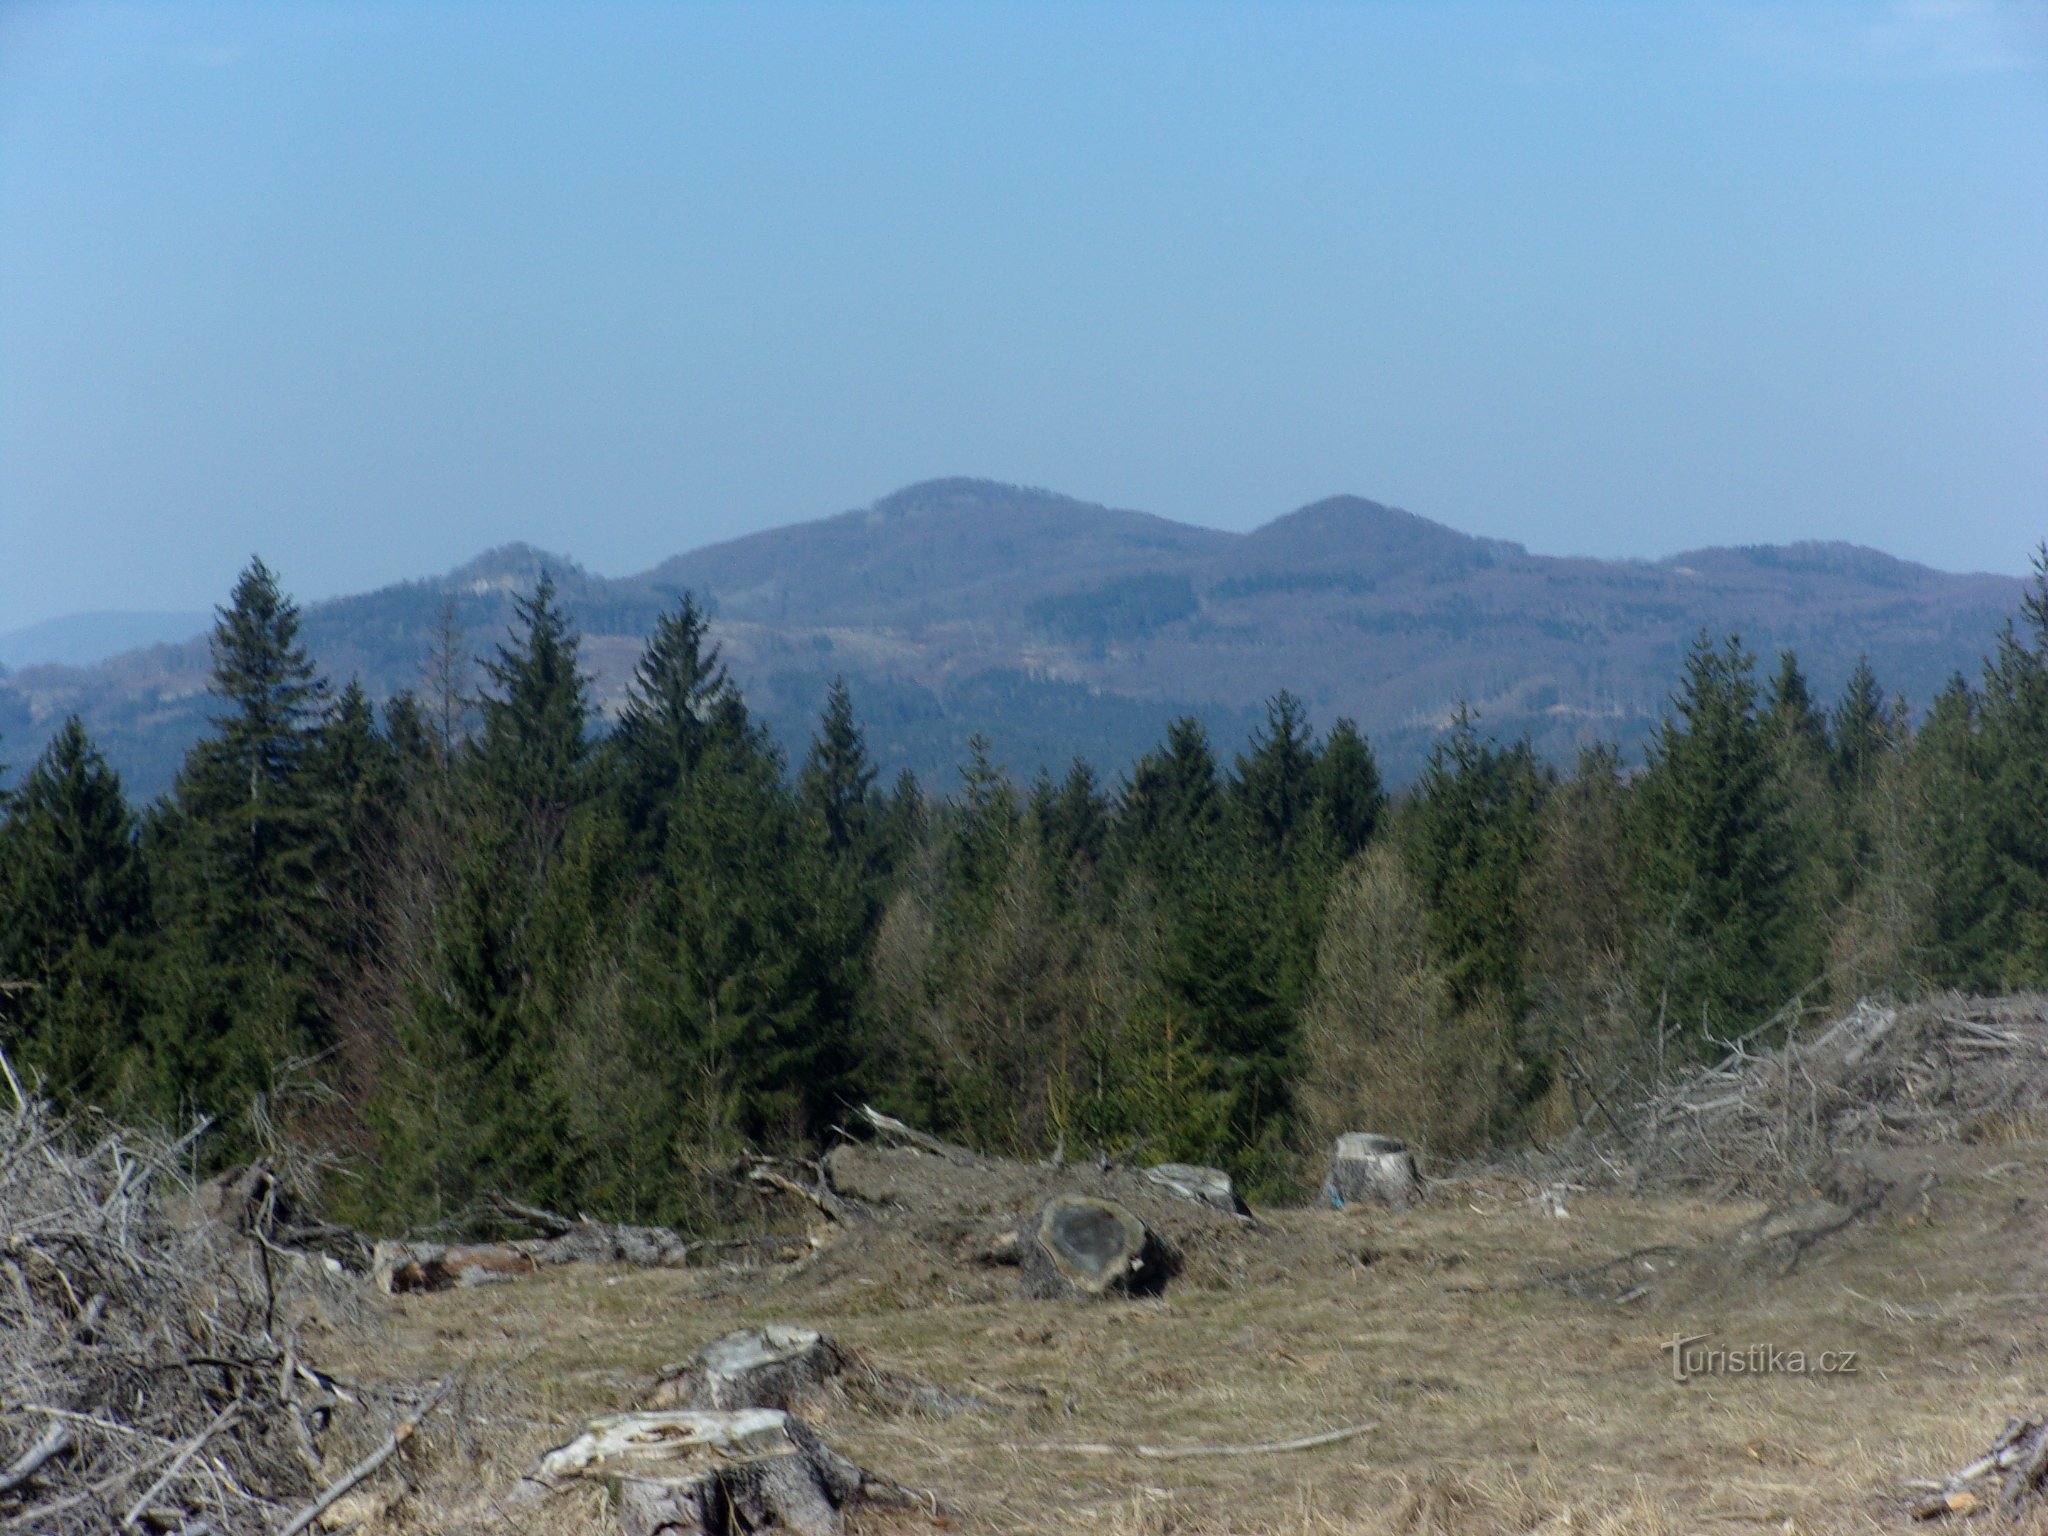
[[368, 289]]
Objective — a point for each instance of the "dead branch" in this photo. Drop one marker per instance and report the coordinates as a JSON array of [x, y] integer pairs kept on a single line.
[[1185, 1452], [368, 1466]]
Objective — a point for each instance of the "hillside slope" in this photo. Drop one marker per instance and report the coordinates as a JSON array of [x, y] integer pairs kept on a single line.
[[1061, 628]]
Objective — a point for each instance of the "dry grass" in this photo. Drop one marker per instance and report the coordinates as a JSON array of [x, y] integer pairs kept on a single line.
[[1500, 1403]]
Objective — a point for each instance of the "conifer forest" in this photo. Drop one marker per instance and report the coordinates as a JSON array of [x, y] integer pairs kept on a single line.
[[480, 939]]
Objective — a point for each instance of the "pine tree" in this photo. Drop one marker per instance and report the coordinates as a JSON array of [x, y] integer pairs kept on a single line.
[[74, 915], [680, 699], [1470, 834], [1172, 800], [242, 842], [1276, 781], [837, 784], [537, 717], [1348, 789], [1715, 870]]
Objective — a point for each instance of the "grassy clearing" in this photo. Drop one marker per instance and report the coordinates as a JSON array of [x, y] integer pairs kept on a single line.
[[1498, 1402]]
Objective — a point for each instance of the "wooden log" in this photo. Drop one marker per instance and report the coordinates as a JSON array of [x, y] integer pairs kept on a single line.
[[1205, 1186], [400, 1268], [1082, 1246], [1372, 1170], [698, 1473]]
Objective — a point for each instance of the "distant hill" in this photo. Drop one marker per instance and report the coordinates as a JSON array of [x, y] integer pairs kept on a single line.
[[1061, 629], [80, 639]]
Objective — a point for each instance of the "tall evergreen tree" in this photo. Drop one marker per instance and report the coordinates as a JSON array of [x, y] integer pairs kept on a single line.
[[74, 912], [837, 784], [1715, 868], [1348, 789], [242, 841], [680, 699], [1172, 799], [1275, 786], [2015, 792], [537, 716], [1471, 831], [1862, 730]]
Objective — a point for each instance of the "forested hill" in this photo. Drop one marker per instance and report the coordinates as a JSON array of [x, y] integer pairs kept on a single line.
[[1060, 628]]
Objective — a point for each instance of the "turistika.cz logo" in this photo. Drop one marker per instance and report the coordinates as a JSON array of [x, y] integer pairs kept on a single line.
[[1692, 1356]]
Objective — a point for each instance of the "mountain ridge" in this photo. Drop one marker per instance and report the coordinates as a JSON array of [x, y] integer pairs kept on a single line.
[[1066, 628]]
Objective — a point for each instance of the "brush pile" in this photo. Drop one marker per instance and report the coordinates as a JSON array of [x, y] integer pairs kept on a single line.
[[1768, 1122], [149, 1375]]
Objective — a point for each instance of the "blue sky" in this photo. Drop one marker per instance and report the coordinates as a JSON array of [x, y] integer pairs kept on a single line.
[[368, 288]]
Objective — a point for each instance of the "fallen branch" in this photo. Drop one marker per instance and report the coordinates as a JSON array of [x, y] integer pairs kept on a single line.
[[895, 1130], [1184, 1452], [368, 1465], [185, 1454], [53, 1444]]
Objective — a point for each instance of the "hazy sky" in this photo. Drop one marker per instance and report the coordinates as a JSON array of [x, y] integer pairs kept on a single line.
[[369, 288]]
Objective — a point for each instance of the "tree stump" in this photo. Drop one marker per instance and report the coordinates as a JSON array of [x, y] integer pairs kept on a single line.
[[1082, 1246], [775, 1366], [779, 1366], [698, 1473], [1369, 1170]]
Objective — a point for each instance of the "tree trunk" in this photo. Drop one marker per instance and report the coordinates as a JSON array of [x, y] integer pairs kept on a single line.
[[695, 1473], [1082, 1246], [776, 1366], [1372, 1170], [779, 1366]]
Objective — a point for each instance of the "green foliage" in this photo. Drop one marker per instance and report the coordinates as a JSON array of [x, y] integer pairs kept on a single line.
[[1469, 834], [74, 911], [593, 968], [1715, 862], [241, 845], [536, 721]]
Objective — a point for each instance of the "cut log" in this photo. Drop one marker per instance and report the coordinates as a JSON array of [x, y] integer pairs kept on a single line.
[[1372, 1170], [1204, 1186], [1082, 1246], [579, 1240], [694, 1473], [400, 1268]]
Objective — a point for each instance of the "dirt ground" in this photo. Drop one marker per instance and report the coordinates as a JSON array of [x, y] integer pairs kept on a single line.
[[1514, 1378]]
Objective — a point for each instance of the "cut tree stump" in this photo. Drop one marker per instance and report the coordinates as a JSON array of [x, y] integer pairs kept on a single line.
[[775, 1366], [790, 1368], [1372, 1170], [1082, 1246], [703, 1473]]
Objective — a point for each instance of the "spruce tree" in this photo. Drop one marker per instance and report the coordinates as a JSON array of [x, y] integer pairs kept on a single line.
[[2015, 793], [1172, 800], [680, 699], [1862, 731], [1470, 834], [1275, 786], [242, 842], [74, 917], [537, 714], [1348, 789], [837, 784], [1715, 868]]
